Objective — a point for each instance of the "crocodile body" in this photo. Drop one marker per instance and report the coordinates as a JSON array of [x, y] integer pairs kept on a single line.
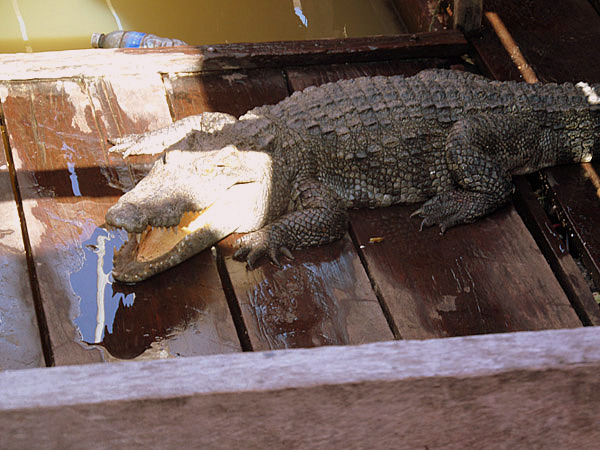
[[287, 173]]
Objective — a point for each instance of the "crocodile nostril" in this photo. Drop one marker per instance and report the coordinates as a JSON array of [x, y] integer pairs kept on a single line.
[[128, 216]]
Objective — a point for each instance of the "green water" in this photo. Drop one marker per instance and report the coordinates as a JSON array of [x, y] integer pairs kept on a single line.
[[33, 25]]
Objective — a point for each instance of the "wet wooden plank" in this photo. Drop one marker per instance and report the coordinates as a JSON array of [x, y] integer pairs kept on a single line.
[[516, 390], [487, 277], [46, 132], [225, 57], [58, 133], [554, 43], [20, 343], [324, 297]]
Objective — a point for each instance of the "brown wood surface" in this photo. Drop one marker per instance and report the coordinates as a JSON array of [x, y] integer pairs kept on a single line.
[[300, 78], [230, 92], [579, 201], [48, 128], [467, 15], [418, 15], [225, 57], [20, 344], [322, 297], [515, 390], [557, 41], [558, 45], [58, 132], [487, 277]]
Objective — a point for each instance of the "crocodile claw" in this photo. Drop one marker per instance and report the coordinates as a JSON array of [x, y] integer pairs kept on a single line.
[[438, 211], [254, 246]]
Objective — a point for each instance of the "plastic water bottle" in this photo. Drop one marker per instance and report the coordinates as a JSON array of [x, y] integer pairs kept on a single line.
[[132, 39]]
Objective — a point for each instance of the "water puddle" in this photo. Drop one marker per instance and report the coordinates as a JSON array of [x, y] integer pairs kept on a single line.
[[122, 318]]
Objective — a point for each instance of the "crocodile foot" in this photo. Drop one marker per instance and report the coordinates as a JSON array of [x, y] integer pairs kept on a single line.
[[454, 208], [253, 246]]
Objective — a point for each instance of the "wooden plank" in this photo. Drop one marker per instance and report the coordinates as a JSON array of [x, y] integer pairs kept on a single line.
[[554, 41], [467, 15], [556, 251], [487, 277], [221, 57], [418, 15], [58, 133], [20, 343], [299, 78], [517, 390], [48, 126], [231, 92], [324, 297]]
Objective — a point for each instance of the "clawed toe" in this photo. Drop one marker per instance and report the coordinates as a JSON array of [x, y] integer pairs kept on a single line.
[[252, 247], [440, 210]]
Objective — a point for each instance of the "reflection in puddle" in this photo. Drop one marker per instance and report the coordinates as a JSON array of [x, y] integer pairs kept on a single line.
[[131, 319], [107, 315], [68, 152], [74, 179], [97, 309]]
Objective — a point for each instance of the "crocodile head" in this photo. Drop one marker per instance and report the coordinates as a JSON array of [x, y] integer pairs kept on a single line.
[[188, 201]]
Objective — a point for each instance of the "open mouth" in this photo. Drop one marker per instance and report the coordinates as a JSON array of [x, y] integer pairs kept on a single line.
[[156, 249], [159, 248], [155, 242]]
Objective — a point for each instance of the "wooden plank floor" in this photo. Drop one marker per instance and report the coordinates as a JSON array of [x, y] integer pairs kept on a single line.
[[485, 277]]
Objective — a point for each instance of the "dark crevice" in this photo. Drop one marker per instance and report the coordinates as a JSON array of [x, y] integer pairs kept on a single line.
[[234, 306], [33, 280], [383, 305]]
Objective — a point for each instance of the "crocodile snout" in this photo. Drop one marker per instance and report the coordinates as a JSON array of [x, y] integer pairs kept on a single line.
[[127, 216]]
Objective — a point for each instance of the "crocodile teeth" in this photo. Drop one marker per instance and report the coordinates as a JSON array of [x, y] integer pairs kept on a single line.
[[156, 241]]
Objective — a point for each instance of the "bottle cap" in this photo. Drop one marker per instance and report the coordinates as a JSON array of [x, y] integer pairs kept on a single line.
[[97, 39]]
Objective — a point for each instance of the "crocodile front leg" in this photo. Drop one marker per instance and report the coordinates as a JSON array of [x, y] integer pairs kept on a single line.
[[318, 218], [482, 153]]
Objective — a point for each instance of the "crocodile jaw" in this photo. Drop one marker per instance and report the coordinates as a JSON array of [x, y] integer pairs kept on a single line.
[[157, 249]]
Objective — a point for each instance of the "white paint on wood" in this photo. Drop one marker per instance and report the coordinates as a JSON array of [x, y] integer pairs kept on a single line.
[[94, 62]]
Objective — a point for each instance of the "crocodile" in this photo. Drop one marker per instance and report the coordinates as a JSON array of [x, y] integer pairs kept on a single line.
[[286, 174]]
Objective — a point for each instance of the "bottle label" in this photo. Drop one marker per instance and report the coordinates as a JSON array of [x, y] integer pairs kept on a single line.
[[133, 39]]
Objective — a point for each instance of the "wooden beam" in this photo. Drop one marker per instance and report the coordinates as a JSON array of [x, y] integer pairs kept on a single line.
[[74, 63], [467, 15], [511, 390]]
